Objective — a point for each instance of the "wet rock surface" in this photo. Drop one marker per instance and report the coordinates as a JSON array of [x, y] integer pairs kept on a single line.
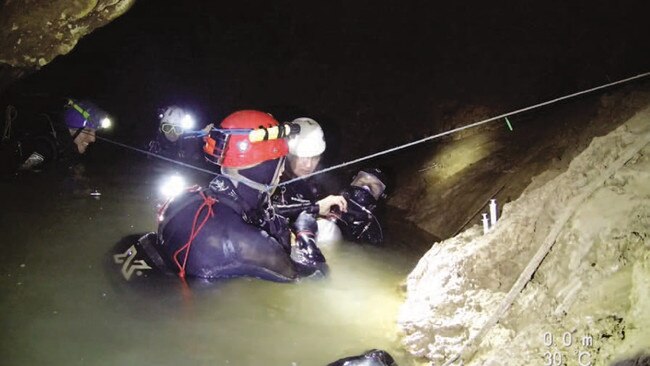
[[35, 32], [453, 178], [591, 287]]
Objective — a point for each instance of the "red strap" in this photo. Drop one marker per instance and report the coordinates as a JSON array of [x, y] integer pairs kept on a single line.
[[306, 232], [207, 202]]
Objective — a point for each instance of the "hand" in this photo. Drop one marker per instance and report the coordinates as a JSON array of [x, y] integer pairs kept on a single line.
[[154, 146], [325, 205], [310, 250], [207, 128], [307, 250], [306, 231]]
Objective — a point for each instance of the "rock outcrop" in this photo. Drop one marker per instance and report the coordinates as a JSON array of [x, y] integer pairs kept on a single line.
[[34, 32], [588, 298]]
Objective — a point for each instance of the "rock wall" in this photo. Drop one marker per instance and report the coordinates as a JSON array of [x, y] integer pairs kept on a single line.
[[34, 32], [457, 175], [591, 289]]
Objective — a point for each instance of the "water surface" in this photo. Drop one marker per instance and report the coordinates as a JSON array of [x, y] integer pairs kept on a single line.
[[63, 303]]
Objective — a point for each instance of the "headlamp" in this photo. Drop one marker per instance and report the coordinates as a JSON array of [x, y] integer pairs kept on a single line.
[[173, 186], [105, 123], [187, 122]]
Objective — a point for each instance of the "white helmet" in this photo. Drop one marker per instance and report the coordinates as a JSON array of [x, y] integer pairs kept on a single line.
[[310, 141], [176, 116]]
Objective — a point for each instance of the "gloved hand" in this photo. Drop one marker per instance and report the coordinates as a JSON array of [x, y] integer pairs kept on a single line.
[[154, 147], [208, 128], [307, 248], [306, 229]]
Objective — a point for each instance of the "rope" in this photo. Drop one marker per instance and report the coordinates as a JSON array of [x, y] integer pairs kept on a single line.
[[155, 155], [207, 202], [243, 180], [396, 148], [475, 124]]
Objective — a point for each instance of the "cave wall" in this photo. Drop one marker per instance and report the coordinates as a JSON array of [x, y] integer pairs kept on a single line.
[[34, 32], [592, 283], [458, 175]]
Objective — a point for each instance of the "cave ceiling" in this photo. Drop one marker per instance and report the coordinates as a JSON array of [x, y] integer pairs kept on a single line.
[[34, 32]]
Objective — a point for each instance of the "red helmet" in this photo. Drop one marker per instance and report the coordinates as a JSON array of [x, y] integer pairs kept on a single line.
[[235, 150]]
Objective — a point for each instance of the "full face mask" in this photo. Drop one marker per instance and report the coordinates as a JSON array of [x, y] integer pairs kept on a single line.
[[369, 182]]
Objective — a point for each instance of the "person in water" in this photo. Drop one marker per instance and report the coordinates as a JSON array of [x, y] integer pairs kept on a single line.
[[176, 138], [229, 229], [359, 223], [305, 152], [47, 137]]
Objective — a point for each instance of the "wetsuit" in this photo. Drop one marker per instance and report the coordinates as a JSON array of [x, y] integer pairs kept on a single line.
[[238, 238], [292, 199], [359, 223], [301, 196], [187, 148], [39, 140]]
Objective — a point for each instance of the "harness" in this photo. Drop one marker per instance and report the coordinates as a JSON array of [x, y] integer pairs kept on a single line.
[[208, 202], [220, 191]]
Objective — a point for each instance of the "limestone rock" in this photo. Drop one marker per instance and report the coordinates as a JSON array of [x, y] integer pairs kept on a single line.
[[591, 288], [35, 32]]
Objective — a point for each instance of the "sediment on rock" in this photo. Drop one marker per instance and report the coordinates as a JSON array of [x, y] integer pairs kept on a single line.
[[589, 286]]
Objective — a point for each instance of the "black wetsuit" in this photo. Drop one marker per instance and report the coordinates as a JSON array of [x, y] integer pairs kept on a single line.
[[37, 140], [185, 149], [359, 223], [289, 201], [238, 239], [300, 196]]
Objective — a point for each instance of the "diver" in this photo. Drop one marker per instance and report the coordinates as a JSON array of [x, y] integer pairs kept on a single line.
[[305, 152], [176, 138], [359, 223], [46, 137], [229, 229]]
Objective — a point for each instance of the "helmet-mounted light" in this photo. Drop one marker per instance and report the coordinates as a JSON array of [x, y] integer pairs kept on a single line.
[[187, 122], [105, 123], [217, 141]]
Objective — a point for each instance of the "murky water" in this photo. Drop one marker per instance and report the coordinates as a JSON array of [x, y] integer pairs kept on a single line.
[[62, 305]]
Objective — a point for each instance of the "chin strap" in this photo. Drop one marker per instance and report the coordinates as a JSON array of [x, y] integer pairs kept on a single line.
[[238, 178], [77, 133], [262, 188]]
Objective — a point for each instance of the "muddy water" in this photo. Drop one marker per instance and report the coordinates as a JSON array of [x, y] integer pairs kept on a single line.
[[63, 302]]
